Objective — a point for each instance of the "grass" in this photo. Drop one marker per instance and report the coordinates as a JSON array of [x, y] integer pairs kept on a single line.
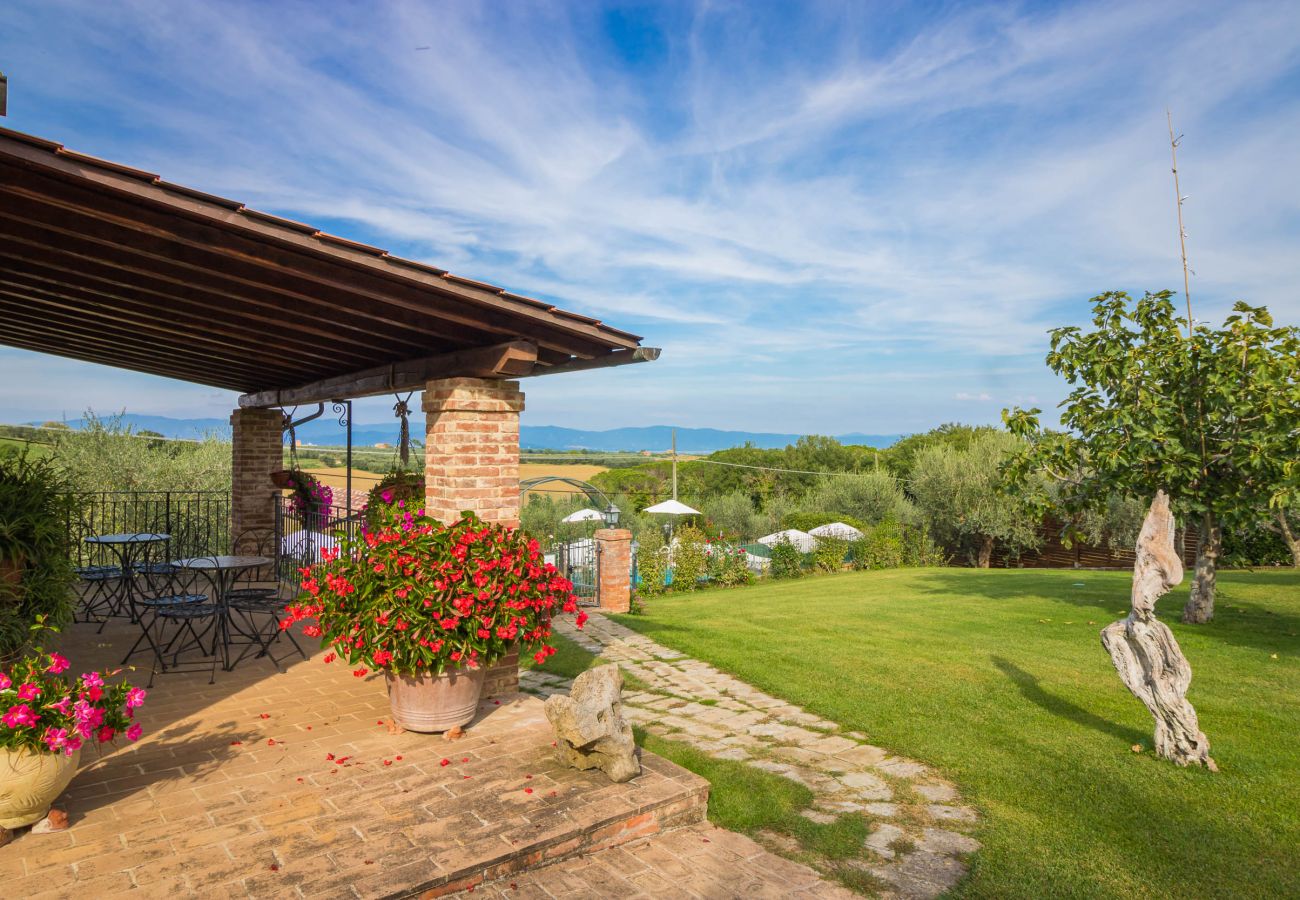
[[999, 680]]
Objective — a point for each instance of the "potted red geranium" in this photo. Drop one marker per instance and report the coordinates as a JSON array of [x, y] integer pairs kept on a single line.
[[45, 719], [432, 606]]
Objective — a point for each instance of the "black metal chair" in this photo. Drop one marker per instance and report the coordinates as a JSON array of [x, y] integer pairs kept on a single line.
[[168, 604], [257, 602]]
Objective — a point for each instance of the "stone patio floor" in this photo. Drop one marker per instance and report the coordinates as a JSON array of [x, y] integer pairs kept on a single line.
[[919, 826], [291, 784]]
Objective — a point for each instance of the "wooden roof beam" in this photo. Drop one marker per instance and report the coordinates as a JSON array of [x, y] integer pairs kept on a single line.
[[513, 359]]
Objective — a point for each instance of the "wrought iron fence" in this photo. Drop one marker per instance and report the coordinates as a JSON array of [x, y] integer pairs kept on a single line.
[[302, 535], [579, 561], [198, 522]]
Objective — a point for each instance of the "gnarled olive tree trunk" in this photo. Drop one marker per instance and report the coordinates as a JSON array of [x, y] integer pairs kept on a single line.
[[1143, 649], [1209, 546], [1288, 536], [985, 555]]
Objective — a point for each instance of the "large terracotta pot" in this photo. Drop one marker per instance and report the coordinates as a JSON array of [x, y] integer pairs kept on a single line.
[[30, 782], [435, 702]]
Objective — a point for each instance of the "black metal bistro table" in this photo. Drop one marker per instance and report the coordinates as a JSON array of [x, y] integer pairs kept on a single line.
[[127, 548], [221, 571]]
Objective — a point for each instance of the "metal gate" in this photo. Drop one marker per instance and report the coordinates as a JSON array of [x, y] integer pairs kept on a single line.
[[579, 561]]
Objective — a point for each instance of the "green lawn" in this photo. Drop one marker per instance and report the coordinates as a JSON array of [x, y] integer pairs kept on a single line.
[[999, 679]]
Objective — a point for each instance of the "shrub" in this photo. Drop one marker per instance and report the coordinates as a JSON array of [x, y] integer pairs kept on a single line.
[[787, 561], [828, 555], [880, 547], [807, 521], [690, 558], [868, 498], [920, 550], [37, 505], [416, 596], [729, 566], [733, 515], [651, 562]]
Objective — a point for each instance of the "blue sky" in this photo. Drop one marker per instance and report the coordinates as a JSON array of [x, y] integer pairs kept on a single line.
[[832, 217]]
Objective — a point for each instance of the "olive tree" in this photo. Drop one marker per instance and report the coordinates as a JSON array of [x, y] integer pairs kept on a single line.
[[963, 497], [1209, 417]]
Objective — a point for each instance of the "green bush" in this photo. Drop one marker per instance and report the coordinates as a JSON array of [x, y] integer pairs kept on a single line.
[[729, 566], [828, 556], [787, 561], [880, 547], [651, 563], [37, 503], [690, 561], [807, 521]]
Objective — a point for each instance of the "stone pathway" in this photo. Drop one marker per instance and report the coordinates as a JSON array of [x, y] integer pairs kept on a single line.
[[919, 827]]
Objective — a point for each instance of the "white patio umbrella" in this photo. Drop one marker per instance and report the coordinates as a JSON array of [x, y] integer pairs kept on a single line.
[[672, 508], [802, 540], [836, 530], [584, 515]]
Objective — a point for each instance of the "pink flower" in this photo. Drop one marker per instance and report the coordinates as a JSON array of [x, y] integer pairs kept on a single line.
[[29, 691], [19, 715], [106, 734], [92, 679], [56, 738], [58, 664], [5, 683], [135, 697], [63, 706], [133, 733]]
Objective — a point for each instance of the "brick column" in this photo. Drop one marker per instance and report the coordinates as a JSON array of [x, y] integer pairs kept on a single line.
[[471, 451], [471, 461], [614, 550], [258, 450]]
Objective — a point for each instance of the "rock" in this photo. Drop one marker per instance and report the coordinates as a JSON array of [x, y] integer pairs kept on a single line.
[[590, 731], [1146, 656], [937, 840], [936, 793], [881, 837]]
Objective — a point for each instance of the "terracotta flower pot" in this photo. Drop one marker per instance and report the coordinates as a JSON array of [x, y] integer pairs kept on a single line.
[[281, 478], [30, 782], [429, 703]]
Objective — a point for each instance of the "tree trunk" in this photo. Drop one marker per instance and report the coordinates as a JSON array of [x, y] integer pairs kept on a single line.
[[1146, 656], [1288, 535], [985, 552], [1209, 544]]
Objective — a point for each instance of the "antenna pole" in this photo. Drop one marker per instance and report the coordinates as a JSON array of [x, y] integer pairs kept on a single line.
[[1182, 232], [674, 463]]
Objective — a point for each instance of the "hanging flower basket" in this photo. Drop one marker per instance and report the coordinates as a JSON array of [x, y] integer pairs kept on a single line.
[[395, 488], [311, 498], [282, 478]]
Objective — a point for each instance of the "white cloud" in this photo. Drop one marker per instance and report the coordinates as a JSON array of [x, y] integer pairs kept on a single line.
[[791, 198]]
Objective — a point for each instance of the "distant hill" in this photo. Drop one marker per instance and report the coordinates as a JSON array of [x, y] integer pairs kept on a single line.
[[326, 430]]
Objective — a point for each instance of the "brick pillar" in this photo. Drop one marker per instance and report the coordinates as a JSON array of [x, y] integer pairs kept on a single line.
[[471, 451], [614, 550], [471, 461], [258, 450]]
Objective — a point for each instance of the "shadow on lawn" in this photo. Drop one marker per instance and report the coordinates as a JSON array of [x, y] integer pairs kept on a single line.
[[1105, 595], [1032, 691]]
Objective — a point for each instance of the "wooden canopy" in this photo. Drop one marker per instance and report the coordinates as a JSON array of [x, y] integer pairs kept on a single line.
[[108, 264]]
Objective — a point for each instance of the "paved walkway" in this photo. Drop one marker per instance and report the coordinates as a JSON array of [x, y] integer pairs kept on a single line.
[[919, 826]]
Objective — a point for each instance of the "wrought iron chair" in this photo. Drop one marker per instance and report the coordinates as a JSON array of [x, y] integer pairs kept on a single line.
[[175, 600], [257, 602]]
